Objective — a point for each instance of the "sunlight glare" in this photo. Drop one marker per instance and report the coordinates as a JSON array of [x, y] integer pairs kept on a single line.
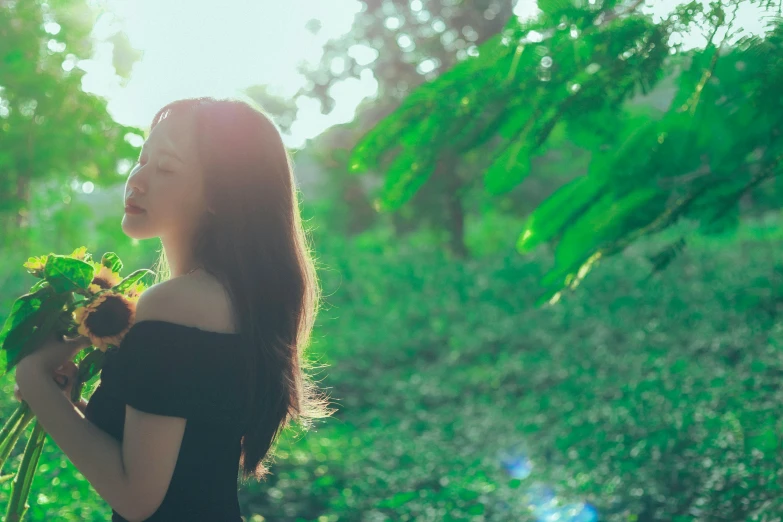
[[250, 43], [206, 50]]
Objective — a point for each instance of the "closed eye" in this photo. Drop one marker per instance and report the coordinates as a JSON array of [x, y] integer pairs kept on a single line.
[[160, 169]]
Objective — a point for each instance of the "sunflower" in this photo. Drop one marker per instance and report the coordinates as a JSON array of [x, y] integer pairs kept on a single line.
[[79, 253], [106, 319], [35, 265], [104, 279]]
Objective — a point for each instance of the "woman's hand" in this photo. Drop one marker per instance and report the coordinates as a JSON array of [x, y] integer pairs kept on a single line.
[[65, 377], [55, 351]]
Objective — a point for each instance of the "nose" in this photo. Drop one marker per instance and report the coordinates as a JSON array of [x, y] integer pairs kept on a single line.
[[134, 185]]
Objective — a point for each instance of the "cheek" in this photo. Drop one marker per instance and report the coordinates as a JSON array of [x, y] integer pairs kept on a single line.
[[175, 202]]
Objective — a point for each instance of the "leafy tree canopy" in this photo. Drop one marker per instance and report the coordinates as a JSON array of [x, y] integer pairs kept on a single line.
[[574, 67], [50, 129]]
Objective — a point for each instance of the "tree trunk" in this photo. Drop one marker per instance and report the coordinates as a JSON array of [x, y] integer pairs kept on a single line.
[[455, 214]]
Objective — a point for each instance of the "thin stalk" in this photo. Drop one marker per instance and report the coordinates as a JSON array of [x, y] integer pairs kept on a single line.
[[8, 443], [11, 424], [20, 489]]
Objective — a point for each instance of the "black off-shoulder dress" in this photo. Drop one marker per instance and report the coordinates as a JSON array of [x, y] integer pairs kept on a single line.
[[172, 369]]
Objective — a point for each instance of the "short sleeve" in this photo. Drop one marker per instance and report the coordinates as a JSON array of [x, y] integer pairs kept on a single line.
[[167, 369]]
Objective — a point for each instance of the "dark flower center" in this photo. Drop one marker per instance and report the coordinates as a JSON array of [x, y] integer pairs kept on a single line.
[[110, 318], [103, 283]]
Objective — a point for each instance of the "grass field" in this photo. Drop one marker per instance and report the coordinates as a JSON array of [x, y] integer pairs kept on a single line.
[[646, 398]]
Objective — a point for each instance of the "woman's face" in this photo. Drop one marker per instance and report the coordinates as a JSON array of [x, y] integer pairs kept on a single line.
[[167, 183]]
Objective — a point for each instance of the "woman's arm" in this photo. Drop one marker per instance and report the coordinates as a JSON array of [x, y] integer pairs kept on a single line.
[[132, 476], [95, 453]]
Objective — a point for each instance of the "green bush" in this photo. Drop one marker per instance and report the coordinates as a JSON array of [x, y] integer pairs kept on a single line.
[[651, 399], [648, 398]]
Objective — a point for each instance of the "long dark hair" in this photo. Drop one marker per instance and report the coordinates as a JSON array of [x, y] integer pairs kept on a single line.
[[255, 244]]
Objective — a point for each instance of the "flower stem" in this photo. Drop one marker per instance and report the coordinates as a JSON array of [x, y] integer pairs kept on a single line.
[[20, 487], [12, 422], [23, 416]]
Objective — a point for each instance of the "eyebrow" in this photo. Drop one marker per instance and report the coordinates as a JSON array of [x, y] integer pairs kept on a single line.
[[167, 152]]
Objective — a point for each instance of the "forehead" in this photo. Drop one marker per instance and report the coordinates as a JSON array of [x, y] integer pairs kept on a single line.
[[174, 132]]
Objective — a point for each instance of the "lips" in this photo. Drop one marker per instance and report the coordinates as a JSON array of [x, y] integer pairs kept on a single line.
[[133, 208]]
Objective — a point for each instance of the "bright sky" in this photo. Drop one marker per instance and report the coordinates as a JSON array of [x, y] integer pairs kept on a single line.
[[217, 49], [202, 48]]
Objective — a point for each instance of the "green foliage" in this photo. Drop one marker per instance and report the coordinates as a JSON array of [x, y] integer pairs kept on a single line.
[[518, 92], [420, 40], [111, 261], [131, 279], [646, 398], [31, 320], [574, 68], [66, 274], [342, 205], [90, 365], [473, 366], [583, 243], [465, 23], [649, 397], [554, 214], [51, 131]]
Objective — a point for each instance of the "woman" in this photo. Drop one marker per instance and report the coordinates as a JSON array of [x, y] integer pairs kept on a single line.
[[212, 369]]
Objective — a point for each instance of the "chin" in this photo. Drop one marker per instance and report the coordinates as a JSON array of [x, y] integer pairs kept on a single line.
[[136, 230]]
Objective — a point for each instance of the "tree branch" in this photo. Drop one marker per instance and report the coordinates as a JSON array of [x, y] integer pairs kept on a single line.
[[765, 174]]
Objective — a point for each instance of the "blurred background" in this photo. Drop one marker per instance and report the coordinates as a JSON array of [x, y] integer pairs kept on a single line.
[[549, 238]]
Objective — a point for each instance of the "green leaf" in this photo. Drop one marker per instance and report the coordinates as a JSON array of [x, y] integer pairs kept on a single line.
[[91, 365], [509, 169], [43, 283], [554, 7], [112, 261], [31, 322], [132, 279], [399, 499], [557, 211], [409, 118], [405, 176], [23, 308], [663, 257], [721, 224], [766, 441], [598, 229], [67, 274]]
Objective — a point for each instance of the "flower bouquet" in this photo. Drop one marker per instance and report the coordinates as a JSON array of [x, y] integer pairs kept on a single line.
[[75, 296]]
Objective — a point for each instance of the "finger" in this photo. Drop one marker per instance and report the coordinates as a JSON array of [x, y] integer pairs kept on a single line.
[[61, 380], [82, 341], [17, 393], [69, 369], [77, 344]]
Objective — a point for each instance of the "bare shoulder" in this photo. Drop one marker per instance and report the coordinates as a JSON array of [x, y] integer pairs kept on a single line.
[[192, 301]]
